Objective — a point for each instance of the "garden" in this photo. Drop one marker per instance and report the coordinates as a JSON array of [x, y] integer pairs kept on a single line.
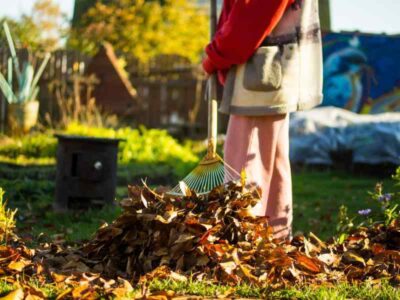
[[151, 245], [148, 243]]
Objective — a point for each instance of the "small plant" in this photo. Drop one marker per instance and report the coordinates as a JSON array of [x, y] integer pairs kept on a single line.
[[386, 211], [389, 204], [7, 220], [345, 224]]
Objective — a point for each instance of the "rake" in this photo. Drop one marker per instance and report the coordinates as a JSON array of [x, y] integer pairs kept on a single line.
[[212, 171]]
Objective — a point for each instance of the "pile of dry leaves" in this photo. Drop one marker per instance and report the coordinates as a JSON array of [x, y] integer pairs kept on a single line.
[[217, 238], [212, 237]]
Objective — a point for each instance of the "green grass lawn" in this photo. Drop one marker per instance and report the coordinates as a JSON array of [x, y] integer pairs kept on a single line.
[[212, 291], [337, 292], [317, 198]]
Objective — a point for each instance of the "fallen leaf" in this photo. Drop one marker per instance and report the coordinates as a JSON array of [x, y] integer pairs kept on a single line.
[[329, 259], [306, 263], [17, 294], [18, 265], [228, 266], [353, 257], [185, 189]]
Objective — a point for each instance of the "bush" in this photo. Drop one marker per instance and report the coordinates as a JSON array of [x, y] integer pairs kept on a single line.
[[144, 146], [31, 146], [139, 146]]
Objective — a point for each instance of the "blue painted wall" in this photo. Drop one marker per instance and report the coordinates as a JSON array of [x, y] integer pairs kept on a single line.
[[362, 72]]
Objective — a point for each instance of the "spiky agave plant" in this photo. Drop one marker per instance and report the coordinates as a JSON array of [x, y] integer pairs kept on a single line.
[[27, 81]]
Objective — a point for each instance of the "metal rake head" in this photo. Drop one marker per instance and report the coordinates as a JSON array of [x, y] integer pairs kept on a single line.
[[210, 173]]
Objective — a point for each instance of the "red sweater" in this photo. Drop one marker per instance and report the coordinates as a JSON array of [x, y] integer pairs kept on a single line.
[[242, 27]]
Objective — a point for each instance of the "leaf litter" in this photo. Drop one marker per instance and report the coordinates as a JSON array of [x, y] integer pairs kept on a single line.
[[214, 238]]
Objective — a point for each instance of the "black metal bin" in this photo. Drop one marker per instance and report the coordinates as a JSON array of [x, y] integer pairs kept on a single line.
[[86, 172]]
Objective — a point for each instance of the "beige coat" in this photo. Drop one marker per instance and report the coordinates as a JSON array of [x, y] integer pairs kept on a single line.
[[285, 74]]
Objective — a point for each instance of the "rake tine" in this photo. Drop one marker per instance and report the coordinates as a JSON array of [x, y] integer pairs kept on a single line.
[[210, 173]]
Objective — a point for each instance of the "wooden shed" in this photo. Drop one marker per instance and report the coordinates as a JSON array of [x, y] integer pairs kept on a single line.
[[114, 93]]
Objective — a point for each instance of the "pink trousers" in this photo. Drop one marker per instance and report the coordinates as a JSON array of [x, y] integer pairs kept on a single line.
[[260, 145]]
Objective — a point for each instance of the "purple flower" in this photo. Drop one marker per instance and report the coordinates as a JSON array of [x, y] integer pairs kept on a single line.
[[385, 198], [364, 212]]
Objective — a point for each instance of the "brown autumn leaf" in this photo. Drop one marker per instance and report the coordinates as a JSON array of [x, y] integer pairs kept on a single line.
[[389, 256], [34, 297], [353, 258], [246, 269], [245, 213], [17, 294], [58, 277], [177, 277], [18, 265], [81, 291], [161, 295], [144, 200], [228, 266], [209, 235], [377, 249], [184, 238], [8, 253], [278, 257], [185, 189], [317, 241], [329, 259], [308, 264], [310, 249], [76, 265], [33, 293], [354, 273], [63, 295]]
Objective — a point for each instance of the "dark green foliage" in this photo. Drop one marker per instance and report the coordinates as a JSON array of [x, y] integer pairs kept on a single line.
[[25, 32], [140, 148], [142, 29], [30, 146], [82, 6]]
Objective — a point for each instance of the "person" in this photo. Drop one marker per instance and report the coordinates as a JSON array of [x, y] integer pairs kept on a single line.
[[268, 56]]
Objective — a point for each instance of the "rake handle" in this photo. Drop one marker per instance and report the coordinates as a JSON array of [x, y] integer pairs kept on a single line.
[[212, 97]]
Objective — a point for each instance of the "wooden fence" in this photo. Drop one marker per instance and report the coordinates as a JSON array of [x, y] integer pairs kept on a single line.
[[170, 90]]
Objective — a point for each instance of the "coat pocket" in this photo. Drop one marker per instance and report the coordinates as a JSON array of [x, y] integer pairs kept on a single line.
[[263, 71]]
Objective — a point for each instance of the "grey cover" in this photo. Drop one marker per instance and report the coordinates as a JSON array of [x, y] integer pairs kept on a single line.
[[314, 134]]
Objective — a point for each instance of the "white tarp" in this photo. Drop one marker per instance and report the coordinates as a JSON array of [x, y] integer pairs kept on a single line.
[[315, 134]]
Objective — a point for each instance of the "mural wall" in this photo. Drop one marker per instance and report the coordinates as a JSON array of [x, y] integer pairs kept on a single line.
[[362, 72]]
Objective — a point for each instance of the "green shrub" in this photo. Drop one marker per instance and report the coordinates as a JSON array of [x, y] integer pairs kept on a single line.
[[140, 146], [31, 146], [144, 146]]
